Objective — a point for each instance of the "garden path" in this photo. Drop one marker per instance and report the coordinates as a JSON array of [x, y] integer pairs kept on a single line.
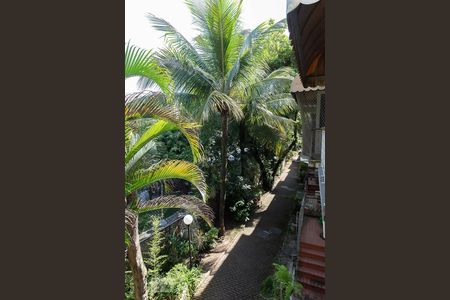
[[238, 271]]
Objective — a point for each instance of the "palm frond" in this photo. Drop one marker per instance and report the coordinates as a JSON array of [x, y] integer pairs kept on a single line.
[[128, 137], [219, 26], [176, 40], [140, 62], [268, 87], [282, 104], [136, 157], [147, 104], [284, 72], [253, 68], [218, 102], [266, 136], [255, 37], [258, 114], [165, 170], [189, 130], [190, 203], [189, 104], [188, 77]]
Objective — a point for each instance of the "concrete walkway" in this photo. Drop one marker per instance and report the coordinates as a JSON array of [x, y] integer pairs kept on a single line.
[[238, 271]]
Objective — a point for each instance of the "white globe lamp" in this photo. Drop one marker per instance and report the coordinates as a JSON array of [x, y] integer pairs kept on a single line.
[[188, 219]]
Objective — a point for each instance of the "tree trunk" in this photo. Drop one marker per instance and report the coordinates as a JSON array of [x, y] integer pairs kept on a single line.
[[285, 153], [282, 157], [264, 176], [223, 172], [136, 261]]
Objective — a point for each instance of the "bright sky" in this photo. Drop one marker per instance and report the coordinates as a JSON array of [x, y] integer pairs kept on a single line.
[[139, 31]]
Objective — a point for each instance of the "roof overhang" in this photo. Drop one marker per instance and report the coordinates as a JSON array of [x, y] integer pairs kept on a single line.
[[306, 24], [297, 86]]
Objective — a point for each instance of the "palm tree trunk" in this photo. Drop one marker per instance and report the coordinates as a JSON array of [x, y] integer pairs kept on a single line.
[[136, 261], [223, 172]]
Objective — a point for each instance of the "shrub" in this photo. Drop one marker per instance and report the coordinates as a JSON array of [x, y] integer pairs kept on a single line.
[[303, 166], [280, 285], [178, 249], [175, 281], [210, 238], [241, 210], [155, 260]]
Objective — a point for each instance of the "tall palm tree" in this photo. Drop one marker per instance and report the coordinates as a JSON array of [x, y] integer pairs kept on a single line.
[[212, 72], [146, 118]]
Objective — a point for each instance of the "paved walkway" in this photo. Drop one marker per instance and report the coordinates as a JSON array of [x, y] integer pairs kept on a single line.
[[238, 271]]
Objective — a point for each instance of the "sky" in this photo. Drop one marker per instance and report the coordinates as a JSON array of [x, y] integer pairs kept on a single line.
[[139, 31]]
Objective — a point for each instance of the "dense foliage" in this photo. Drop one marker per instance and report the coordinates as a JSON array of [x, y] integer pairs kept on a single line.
[[166, 255], [177, 280], [279, 50]]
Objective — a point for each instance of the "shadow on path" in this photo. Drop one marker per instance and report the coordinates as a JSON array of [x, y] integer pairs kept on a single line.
[[250, 261]]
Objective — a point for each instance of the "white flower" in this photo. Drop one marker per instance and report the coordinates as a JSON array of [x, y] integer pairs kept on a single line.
[[246, 187], [230, 157], [245, 149], [238, 150], [240, 178]]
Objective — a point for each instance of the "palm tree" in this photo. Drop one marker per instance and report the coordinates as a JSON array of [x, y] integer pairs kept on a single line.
[[212, 73], [270, 113], [146, 118]]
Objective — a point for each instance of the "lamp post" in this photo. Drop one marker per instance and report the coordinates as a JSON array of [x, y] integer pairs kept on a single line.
[[188, 220]]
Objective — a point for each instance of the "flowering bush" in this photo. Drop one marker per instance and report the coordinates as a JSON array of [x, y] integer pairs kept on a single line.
[[243, 190], [245, 173]]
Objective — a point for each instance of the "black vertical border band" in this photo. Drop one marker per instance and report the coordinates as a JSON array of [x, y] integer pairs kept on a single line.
[[62, 148], [387, 149]]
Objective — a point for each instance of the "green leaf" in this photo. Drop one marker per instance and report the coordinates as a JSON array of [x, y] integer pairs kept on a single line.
[[141, 63], [190, 203], [167, 170]]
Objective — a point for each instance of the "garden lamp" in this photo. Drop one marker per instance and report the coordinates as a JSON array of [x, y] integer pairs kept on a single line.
[[188, 220]]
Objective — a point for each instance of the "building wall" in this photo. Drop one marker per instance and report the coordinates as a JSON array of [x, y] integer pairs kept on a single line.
[[322, 152]]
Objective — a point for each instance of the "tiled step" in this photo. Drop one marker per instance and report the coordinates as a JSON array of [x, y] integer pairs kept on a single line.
[[312, 285], [312, 263], [312, 274], [312, 246], [312, 295], [312, 253], [311, 189]]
